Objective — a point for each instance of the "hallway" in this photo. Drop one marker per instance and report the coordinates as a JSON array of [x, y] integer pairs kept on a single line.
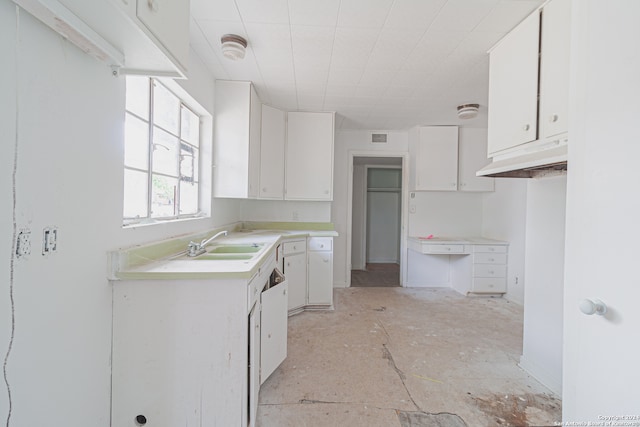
[[406, 357], [376, 275]]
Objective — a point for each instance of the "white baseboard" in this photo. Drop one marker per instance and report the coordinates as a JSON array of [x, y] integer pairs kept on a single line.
[[542, 375], [340, 284]]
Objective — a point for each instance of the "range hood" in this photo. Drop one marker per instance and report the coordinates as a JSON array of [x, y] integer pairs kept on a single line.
[[528, 165]]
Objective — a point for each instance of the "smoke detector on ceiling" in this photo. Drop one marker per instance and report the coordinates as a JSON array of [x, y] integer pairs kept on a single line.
[[468, 111], [233, 46]]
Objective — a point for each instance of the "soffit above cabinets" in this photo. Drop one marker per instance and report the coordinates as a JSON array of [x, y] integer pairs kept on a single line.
[[379, 64]]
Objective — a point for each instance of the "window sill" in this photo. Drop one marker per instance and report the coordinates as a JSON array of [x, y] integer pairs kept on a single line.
[[150, 222]]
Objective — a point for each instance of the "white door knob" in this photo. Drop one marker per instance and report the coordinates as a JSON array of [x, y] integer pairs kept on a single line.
[[526, 127], [594, 306]]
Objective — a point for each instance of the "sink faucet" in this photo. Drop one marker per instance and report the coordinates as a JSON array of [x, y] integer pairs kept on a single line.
[[195, 249]]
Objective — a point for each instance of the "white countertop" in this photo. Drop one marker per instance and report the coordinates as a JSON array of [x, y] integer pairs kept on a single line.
[[447, 240], [148, 265]]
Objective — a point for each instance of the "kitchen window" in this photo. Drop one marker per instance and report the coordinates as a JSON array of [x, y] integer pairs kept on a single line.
[[161, 154]]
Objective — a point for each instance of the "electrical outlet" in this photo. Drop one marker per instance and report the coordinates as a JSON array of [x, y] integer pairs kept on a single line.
[[49, 240], [23, 243]]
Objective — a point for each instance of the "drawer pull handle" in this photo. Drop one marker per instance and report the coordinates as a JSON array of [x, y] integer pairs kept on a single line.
[[491, 259]]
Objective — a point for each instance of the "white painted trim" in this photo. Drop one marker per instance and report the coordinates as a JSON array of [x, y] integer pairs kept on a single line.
[[404, 223], [541, 375]]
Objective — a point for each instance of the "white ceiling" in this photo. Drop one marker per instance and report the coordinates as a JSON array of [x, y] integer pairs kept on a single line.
[[379, 64]]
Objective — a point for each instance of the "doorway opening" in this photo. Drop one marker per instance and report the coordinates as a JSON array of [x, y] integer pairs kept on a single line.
[[376, 221]]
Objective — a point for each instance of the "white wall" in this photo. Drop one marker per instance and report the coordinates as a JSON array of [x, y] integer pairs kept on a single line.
[[285, 211], [70, 113], [504, 214], [544, 279], [445, 214]]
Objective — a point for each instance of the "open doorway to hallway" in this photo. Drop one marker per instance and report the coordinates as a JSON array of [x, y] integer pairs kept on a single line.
[[376, 221]]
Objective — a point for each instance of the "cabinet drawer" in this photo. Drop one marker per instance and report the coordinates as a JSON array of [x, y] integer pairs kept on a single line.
[[320, 243], [490, 248], [443, 249], [489, 285], [489, 258], [297, 246], [489, 270]]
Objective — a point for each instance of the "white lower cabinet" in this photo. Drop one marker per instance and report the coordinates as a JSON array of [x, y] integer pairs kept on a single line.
[[295, 270], [489, 269], [320, 271], [273, 328], [194, 352]]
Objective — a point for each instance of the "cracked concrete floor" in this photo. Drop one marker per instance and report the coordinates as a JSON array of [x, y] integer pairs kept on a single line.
[[406, 357]]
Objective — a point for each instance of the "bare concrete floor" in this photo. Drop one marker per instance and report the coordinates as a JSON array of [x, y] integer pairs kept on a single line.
[[402, 357]]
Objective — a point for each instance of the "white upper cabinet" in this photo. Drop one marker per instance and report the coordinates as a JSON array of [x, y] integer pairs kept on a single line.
[[434, 158], [445, 158], [472, 156], [309, 156], [236, 148], [529, 82], [168, 22], [272, 142], [513, 87], [554, 68]]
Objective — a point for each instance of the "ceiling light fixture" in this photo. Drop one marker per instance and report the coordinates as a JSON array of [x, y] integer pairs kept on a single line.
[[233, 46], [468, 111]]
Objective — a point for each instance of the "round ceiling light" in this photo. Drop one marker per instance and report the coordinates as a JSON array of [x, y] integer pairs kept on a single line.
[[468, 111], [233, 46]]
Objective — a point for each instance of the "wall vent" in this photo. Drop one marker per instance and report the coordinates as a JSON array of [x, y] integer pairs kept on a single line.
[[379, 138]]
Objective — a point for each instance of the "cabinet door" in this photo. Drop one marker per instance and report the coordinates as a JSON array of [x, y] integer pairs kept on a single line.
[[513, 87], [273, 324], [436, 160], [309, 156], [472, 157], [272, 153], [168, 21], [295, 270], [254, 363], [320, 278], [554, 68], [255, 122], [236, 146]]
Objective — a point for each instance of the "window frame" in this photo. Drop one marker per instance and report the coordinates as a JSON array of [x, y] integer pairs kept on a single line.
[[185, 102]]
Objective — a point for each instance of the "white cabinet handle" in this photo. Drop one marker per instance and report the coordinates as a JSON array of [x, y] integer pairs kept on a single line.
[[264, 189], [322, 246], [553, 118], [491, 259], [526, 127], [325, 260], [594, 306], [153, 5]]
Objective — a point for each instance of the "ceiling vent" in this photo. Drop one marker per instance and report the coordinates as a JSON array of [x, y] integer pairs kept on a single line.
[[468, 111], [379, 138]]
